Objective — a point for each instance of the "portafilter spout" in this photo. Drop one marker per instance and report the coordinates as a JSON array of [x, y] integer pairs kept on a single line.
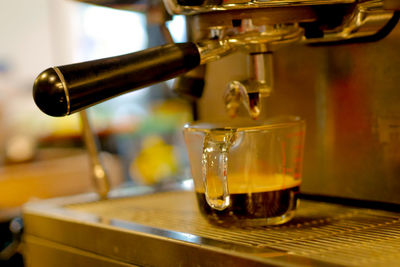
[[259, 42], [250, 92]]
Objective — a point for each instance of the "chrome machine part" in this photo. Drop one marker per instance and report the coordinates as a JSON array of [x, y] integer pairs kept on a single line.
[[258, 41], [211, 50], [367, 18], [258, 33], [250, 91], [253, 38], [333, 20]]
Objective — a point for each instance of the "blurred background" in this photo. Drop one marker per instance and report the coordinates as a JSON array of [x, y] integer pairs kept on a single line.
[[43, 157]]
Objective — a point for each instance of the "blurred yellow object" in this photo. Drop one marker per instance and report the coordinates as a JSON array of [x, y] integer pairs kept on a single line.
[[155, 161]]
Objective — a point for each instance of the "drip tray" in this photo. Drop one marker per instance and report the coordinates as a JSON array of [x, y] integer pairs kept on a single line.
[[166, 229]]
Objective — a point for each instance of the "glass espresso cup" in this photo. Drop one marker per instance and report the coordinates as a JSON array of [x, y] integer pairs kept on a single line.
[[246, 173]]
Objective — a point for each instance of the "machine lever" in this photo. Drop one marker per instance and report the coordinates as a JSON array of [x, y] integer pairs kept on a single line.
[[63, 90]]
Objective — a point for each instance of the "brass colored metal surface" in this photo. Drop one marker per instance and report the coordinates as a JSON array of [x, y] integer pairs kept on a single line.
[[130, 230]]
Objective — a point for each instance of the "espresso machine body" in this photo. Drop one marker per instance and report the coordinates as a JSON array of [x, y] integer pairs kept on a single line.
[[348, 95]]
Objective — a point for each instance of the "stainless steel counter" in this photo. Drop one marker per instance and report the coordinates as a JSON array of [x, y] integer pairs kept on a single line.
[[166, 229]]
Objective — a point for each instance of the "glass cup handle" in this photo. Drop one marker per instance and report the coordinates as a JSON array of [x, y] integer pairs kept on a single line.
[[215, 170]]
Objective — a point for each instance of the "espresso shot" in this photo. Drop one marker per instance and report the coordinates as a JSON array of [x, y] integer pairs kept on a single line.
[[254, 201], [256, 208]]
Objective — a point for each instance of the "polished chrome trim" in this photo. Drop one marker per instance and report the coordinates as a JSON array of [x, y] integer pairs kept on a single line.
[[364, 18], [367, 19], [64, 84], [254, 39], [211, 50]]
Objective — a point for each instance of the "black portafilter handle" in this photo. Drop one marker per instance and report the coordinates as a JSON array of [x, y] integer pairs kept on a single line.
[[63, 90]]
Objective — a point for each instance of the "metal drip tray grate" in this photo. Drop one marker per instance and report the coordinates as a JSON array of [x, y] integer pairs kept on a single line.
[[323, 232]]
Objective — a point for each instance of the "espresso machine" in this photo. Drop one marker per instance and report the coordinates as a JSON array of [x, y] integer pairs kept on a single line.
[[331, 62]]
